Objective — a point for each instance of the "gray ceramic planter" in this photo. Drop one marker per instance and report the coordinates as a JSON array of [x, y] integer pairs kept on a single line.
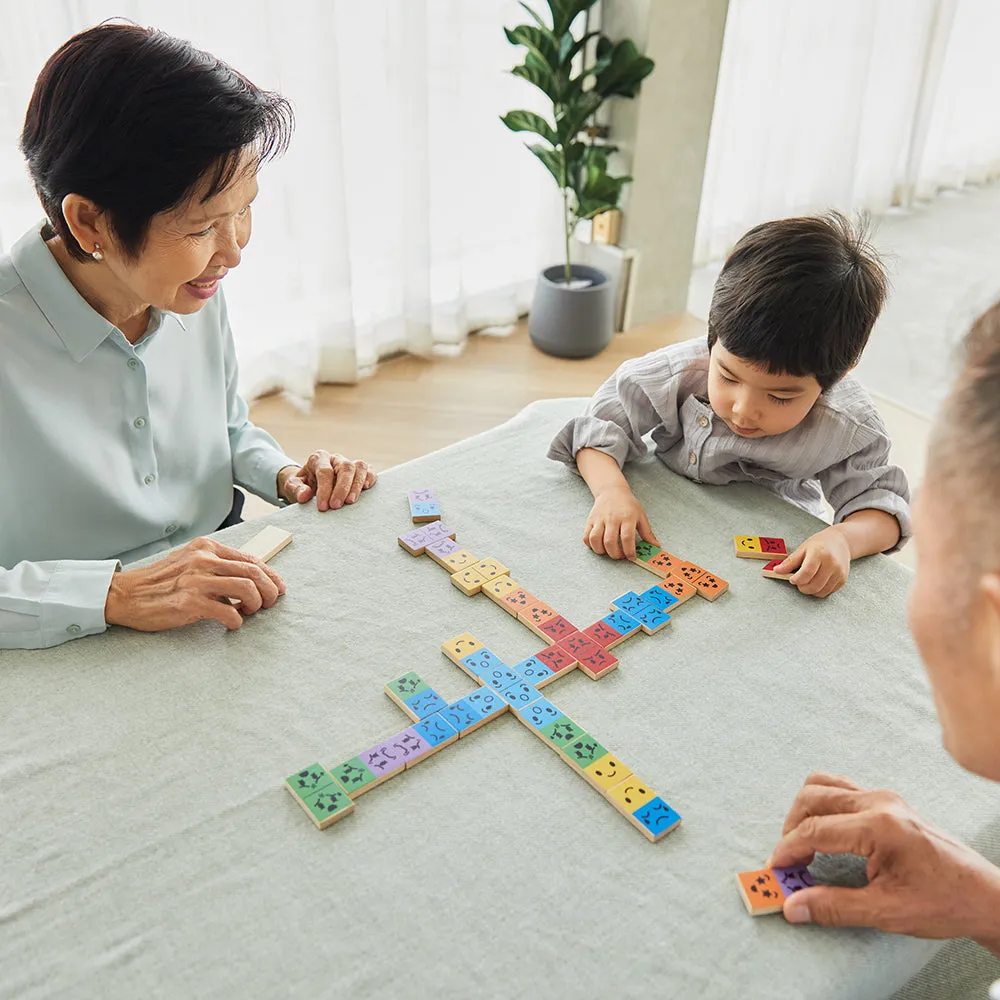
[[572, 322]]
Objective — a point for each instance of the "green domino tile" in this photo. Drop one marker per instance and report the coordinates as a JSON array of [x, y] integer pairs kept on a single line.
[[310, 779], [328, 804], [407, 685], [354, 776], [582, 752], [562, 732], [644, 551]]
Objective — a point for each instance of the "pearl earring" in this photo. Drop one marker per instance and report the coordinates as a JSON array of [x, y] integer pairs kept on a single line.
[[97, 255]]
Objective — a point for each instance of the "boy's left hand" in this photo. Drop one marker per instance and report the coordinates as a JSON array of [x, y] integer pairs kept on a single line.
[[820, 564]]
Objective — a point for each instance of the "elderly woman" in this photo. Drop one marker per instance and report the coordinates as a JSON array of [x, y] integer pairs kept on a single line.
[[921, 881], [121, 428]]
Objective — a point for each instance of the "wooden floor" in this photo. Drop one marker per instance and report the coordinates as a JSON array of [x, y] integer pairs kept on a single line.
[[410, 407]]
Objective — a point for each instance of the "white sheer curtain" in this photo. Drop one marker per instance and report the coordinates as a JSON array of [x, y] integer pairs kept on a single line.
[[404, 215], [847, 104]]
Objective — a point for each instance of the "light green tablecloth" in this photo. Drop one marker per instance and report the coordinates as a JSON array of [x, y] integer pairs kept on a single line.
[[148, 848]]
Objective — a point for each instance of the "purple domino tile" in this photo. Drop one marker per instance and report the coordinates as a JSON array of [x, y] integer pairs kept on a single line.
[[411, 745], [793, 878], [443, 547], [421, 496], [419, 537], [384, 757]]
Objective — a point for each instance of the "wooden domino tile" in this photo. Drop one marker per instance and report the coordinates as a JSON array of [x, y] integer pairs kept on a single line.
[[437, 731], [423, 506], [496, 590], [441, 549], [661, 565], [597, 662], [490, 569], [643, 808], [534, 616], [604, 635], [416, 541], [759, 547], [769, 572], [458, 561], [761, 892], [557, 659], [469, 581], [688, 571], [458, 648], [267, 543], [651, 619], [681, 589], [354, 776], [324, 799], [605, 773], [556, 628], [403, 688], [711, 587]]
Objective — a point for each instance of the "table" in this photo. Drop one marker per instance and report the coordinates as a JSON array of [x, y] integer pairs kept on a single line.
[[148, 847]]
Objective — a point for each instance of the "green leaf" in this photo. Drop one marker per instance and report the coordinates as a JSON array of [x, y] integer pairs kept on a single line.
[[540, 41], [565, 12], [565, 44], [541, 77], [567, 52], [553, 160], [536, 17], [622, 71], [528, 121], [577, 113]]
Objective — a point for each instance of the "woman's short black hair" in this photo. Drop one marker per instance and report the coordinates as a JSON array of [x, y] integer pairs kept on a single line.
[[800, 297], [135, 119]]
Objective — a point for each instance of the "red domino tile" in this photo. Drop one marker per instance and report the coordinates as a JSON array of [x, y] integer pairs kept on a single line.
[[775, 546], [557, 628], [773, 563], [603, 635], [598, 663], [556, 658], [577, 643]]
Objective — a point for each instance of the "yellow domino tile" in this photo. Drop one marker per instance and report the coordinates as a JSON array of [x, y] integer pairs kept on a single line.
[[458, 561], [460, 646], [498, 589], [490, 568], [630, 794], [606, 772], [747, 546], [469, 581]]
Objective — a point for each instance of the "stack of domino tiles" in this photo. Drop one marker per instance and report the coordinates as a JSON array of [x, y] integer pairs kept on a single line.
[[662, 564], [772, 550], [519, 687]]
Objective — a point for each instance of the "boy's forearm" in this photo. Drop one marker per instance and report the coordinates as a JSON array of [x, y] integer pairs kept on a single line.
[[868, 532], [600, 471]]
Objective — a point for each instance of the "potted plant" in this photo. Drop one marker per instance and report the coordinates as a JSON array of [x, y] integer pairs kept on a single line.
[[571, 316]]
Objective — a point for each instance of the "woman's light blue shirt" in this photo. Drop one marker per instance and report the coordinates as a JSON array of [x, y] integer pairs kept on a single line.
[[108, 452]]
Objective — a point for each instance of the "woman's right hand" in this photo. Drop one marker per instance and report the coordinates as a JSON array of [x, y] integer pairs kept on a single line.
[[201, 580], [613, 522]]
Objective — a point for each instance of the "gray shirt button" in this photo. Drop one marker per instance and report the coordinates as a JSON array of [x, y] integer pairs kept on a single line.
[[703, 421], [133, 363], [171, 528], [149, 479], [139, 423], [692, 458], [74, 629]]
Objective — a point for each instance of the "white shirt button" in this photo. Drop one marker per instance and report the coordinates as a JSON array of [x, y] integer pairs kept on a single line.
[[74, 629], [139, 423], [133, 363], [692, 458], [171, 528], [149, 479], [703, 421]]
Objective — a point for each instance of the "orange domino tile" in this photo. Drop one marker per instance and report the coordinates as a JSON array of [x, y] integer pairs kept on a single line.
[[663, 564], [761, 893], [688, 571], [711, 587], [681, 589]]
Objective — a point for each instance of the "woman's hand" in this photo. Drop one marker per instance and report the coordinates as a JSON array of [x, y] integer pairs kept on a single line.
[[920, 881], [613, 522], [196, 582], [332, 479]]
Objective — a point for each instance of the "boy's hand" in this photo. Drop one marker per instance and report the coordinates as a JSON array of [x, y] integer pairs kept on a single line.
[[613, 522], [820, 564]]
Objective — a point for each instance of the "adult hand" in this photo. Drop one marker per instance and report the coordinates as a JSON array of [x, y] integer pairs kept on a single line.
[[820, 564], [191, 584], [613, 522], [920, 881], [332, 479]]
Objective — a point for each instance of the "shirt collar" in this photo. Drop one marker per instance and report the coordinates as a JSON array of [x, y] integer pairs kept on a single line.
[[79, 326]]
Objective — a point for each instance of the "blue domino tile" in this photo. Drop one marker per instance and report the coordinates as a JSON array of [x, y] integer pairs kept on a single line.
[[520, 693], [461, 715], [486, 702], [533, 670], [435, 729], [621, 622], [482, 660], [631, 603], [656, 816], [425, 703], [539, 713], [651, 618], [500, 678], [424, 508], [659, 598]]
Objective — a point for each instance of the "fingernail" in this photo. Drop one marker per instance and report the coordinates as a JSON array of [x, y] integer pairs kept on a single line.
[[797, 911], [337, 505], [769, 862], [352, 498]]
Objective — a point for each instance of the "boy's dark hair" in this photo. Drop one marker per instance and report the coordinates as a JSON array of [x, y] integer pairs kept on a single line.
[[134, 120], [799, 297]]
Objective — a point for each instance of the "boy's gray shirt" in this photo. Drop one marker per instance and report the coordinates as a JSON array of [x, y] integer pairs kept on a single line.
[[840, 450]]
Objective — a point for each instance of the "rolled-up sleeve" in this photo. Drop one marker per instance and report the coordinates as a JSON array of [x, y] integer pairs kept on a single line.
[[867, 480], [46, 603], [256, 456], [640, 397]]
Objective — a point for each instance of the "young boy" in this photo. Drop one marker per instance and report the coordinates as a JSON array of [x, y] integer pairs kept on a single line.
[[767, 399]]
